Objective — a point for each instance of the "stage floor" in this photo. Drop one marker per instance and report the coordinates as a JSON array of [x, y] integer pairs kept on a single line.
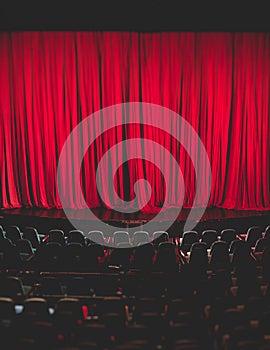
[[213, 218], [112, 215]]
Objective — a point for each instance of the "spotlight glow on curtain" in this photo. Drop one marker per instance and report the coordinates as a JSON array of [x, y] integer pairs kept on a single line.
[[219, 82]]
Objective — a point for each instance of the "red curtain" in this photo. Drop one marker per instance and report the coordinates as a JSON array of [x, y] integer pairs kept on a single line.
[[219, 82]]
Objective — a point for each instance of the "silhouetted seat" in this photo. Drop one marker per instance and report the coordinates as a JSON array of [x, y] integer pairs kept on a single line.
[[143, 257], [220, 283], [121, 257], [32, 235], [13, 233], [219, 256], [7, 321], [76, 236], [96, 236], [10, 256], [24, 247], [56, 236], [95, 249], [228, 235], [246, 274], [50, 257], [253, 234], [93, 256], [261, 244], [159, 237], [68, 315], [240, 253], [235, 244], [5, 243], [198, 261], [166, 259], [69, 307], [140, 237], [120, 237], [73, 257], [189, 237], [209, 237], [35, 309], [12, 287]]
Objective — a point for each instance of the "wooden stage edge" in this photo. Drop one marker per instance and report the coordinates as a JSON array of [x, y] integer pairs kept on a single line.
[[213, 218]]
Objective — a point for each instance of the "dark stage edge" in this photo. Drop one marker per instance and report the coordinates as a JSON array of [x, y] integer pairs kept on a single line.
[[213, 218]]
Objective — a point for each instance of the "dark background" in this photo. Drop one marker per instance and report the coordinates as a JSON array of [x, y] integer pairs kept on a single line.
[[144, 16]]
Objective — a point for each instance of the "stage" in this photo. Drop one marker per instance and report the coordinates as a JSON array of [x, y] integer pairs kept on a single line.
[[213, 218]]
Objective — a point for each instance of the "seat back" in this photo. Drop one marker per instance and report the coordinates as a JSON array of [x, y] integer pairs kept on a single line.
[[159, 237], [253, 234], [219, 256], [13, 233], [140, 237], [143, 256], [11, 286], [209, 237], [228, 235], [50, 257], [35, 309], [32, 235], [198, 256], [235, 244], [96, 236], [24, 246], [76, 236], [261, 244], [189, 237], [74, 257], [56, 236], [120, 237]]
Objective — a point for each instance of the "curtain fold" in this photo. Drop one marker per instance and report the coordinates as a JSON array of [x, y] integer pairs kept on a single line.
[[218, 82]]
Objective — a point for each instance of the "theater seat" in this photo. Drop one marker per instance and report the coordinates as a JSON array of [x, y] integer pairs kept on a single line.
[[261, 244], [76, 236], [56, 236], [13, 233], [219, 256], [160, 236], [228, 235], [32, 235], [96, 236], [209, 237], [253, 234], [189, 237], [140, 237], [120, 237], [12, 287]]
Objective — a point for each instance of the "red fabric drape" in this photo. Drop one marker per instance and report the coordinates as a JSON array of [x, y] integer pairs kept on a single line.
[[219, 82]]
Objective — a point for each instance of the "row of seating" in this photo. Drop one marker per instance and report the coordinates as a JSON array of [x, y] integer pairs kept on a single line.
[[75, 296], [206, 315], [166, 256], [14, 233]]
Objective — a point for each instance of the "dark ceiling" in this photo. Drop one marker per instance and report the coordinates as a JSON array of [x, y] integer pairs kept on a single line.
[[137, 15]]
